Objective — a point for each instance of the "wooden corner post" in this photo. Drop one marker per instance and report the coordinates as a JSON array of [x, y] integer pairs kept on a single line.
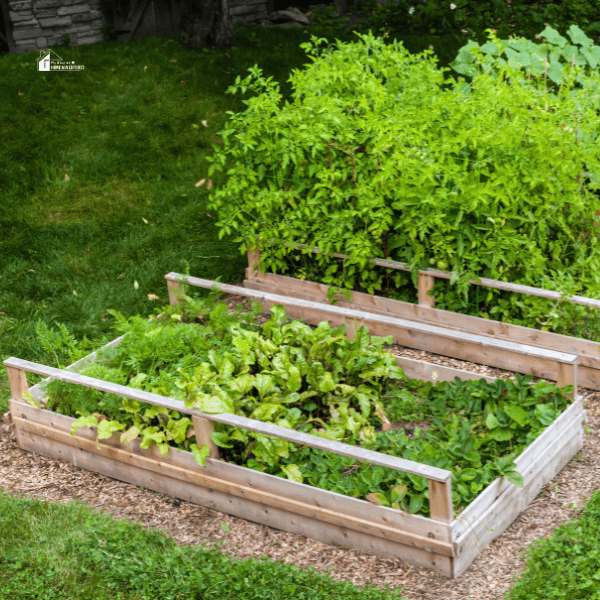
[[203, 428], [567, 375], [17, 380], [176, 292], [440, 500], [253, 259], [425, 283]]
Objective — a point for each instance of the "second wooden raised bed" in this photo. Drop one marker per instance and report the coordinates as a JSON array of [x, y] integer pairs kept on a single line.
[[424, 312]]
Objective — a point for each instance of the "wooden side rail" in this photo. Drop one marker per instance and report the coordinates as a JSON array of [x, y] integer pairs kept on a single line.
[[439, 480], [522, 358], [427, 279]]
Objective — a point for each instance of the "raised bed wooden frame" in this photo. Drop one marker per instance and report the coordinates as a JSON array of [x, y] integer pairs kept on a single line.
[[588, 352], [541, 362], [445, 544]]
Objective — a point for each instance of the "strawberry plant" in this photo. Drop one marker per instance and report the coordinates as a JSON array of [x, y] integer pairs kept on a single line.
[[314, 380]]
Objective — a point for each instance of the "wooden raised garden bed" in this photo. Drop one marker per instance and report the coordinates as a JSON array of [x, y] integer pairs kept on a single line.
[[443, 543], [588, 352]]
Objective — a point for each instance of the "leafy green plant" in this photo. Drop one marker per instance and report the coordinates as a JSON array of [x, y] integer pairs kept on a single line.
[[313, 380], [120, 174], [141, 359], [293, 363], [474, 192]]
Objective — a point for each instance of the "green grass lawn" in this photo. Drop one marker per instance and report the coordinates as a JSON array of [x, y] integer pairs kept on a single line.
[[98, 174]]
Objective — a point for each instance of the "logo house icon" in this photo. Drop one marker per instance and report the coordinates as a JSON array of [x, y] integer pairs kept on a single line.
[[44, 60]]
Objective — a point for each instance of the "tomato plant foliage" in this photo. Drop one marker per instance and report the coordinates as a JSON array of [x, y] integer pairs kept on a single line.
[[314, 380], [492, 178]]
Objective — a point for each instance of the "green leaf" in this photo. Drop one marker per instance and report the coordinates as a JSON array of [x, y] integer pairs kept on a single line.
[[326, 382], [491, 422], [278, 313], [227, 368], [243, 383], [85, 421], [238, 435], [264, 384], [293, 472], [545, 414], [200, 454], [365, 405], [243, 345], [131, 434], [501, 435], [294, 381], [265, 411], [516, 413], [378, 499], [150, 435], [468, 474], [416, 503], [137, 380], [220, 438], [462, 489], [516, 478], [398, 493], [29, 397], [131, 406]]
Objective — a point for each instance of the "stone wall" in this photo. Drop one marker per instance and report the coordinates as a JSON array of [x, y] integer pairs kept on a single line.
[[248, 12], [38, 24]]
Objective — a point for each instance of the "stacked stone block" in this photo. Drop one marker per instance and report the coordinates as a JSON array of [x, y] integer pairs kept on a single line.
[[248, 12], [39, 24]]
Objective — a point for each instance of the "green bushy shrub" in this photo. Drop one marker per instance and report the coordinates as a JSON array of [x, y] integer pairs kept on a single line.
[[483, 177]]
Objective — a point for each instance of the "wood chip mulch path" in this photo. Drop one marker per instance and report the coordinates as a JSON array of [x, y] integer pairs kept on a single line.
[[487, 578]]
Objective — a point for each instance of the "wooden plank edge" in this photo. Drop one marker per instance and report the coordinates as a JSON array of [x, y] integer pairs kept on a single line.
[[244, 508], [527, 458], [497, 357], [423, 370], [212, 482], [415, 524], [314, 441], [468, 521], [510, 505], [414, 370], [83, 362], [586, 350], [588, 375], [481, 281], [366, 317]]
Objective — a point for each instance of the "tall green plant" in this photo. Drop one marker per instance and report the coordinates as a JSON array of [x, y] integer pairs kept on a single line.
[[473, 173]]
